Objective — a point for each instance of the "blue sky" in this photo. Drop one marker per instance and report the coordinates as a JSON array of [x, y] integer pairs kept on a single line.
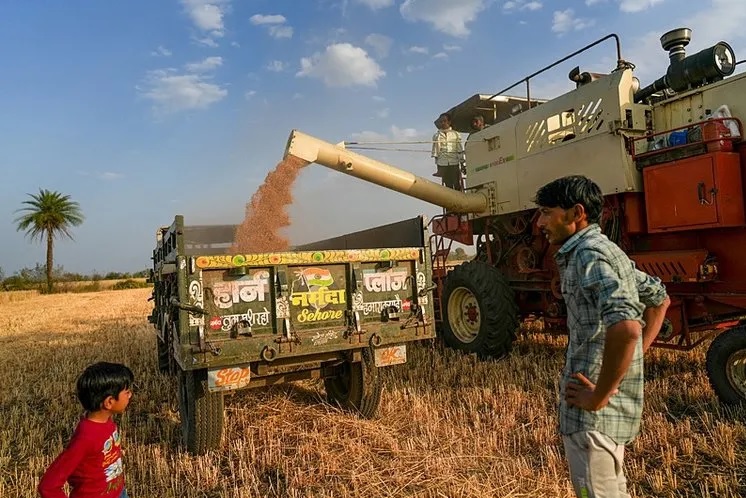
[[141, 110]]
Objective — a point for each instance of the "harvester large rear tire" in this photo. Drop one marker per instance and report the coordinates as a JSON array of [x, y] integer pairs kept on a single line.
[[201, 413], [726, 366], [357, 387], [479, 310]]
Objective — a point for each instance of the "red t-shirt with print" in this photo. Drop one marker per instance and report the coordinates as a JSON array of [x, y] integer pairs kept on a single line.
[[91, 463]]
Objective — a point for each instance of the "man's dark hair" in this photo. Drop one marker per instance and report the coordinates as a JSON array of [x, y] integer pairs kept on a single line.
[[570, 190], [101, 380]]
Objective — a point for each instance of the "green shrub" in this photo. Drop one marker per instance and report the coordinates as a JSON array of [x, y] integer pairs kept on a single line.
[[130, 284]]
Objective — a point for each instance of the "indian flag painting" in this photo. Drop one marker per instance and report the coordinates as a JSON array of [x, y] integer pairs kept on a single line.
[[316, 277]]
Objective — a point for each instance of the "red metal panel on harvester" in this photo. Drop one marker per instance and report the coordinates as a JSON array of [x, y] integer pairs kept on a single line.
[[703, 191]]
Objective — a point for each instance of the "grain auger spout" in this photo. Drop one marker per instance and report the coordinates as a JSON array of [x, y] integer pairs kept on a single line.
[[338, 158]]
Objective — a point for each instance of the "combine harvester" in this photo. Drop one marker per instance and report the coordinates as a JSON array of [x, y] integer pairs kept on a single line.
[[671, 163]]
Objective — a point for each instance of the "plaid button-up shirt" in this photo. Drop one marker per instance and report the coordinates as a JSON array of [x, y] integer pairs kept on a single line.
[[601, 287]]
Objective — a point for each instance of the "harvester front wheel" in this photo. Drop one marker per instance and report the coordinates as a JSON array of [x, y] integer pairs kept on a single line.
[[201, 413], [726, 366], [479, 310], [357, 387]]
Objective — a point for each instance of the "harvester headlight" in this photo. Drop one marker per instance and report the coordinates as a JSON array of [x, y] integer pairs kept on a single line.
[[725, 58]]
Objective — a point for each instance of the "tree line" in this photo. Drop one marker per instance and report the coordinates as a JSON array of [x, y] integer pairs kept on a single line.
[[46, 217], [35, 278]]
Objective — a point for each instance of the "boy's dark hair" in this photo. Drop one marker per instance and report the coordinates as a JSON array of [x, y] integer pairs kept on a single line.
[[101, 380], [570, 190]]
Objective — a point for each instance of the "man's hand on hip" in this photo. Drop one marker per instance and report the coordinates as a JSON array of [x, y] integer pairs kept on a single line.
[[583, 395]]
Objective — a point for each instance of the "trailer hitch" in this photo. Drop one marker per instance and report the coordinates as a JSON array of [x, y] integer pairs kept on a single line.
[[187, 307], [427, 290]]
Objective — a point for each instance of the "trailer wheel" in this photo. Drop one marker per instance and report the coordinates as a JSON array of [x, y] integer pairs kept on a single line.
[[357, 387], [479, 310], [166, 364], [201, 412], [726, 366]]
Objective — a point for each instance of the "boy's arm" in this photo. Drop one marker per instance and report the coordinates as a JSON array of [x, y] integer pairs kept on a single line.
[[55, 477]]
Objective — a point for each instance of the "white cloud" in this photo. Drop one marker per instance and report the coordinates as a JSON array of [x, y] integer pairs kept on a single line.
[[342, 64], [171, 92], [380, 43], [276, 66], [383, 113], [207, 41], [281, 31], [208, 64], [630, 6], [297, 96], [394, 134], [161, 51], [259, 19], [565, 21], [249, 94], [451, 48], [440, 55], [721, 20], [549, 88], [378, 98], [447, 16], [208, 16], [515, 5], [110, 175], [639, 5], [276, 25], [418, 50], [376, 4]]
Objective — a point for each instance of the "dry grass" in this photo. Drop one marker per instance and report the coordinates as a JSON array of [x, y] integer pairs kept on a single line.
[[15, 296], [448, 425], [88, 284]]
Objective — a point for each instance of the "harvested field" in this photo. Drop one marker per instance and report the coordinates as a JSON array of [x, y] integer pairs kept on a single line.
[[448, 424], [15, 296]]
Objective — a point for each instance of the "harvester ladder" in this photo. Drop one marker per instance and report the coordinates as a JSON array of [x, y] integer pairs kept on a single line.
[[440, 249]]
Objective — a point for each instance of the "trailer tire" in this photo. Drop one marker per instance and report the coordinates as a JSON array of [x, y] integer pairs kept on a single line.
[[166, 363], [164, 357], [201, 413], [357, 388], [726, 366], [480, 314]]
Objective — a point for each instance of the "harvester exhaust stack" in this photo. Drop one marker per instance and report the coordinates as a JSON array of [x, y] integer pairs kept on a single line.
[[338, 158]]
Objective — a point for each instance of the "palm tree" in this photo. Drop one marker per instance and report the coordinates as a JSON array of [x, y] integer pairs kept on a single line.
[[49, 214]]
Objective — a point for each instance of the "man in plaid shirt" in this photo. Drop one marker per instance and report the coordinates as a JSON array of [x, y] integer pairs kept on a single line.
[[614, 312]]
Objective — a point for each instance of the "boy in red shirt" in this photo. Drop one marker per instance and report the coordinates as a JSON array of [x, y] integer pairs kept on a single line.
[[92, 461]]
